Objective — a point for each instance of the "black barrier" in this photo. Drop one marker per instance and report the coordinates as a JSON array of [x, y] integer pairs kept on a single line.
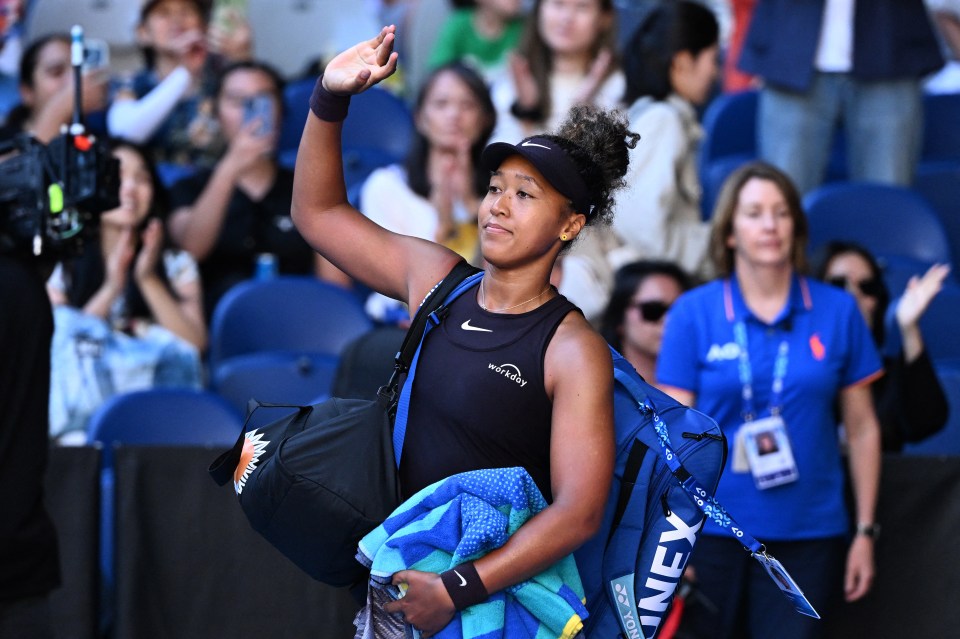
[[189, 565], [73, 499], [918, 570]]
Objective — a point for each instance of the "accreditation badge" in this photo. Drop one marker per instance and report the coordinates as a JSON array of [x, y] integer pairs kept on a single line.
[[768, 452], [786, 584]]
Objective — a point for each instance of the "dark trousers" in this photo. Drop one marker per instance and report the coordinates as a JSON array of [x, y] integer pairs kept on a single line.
[[26, 618], [737, 599]]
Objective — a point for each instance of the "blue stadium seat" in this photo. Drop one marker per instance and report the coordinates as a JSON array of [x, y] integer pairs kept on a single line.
[[276, 377], [296, 314], [378, 132], [296, 106], [161, 416], [939, 184], [887, 220], [730, 127], [947, 441], [941, 128]]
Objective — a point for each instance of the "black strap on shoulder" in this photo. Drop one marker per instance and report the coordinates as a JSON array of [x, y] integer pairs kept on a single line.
[[433, 301]]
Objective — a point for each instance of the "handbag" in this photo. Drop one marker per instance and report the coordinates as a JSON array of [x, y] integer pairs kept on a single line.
[[315, 482]]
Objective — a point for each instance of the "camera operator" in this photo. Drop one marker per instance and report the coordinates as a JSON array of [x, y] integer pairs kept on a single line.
[[50, 201], [29, 561]]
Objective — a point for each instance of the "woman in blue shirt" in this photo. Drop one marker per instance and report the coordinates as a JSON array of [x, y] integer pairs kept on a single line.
[[766, 352]]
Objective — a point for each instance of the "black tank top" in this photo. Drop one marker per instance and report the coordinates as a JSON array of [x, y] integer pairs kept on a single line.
[[478, 399]]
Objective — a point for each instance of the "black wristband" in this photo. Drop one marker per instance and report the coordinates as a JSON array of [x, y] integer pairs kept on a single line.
[[327, 106], [464, 586], [533, 115]]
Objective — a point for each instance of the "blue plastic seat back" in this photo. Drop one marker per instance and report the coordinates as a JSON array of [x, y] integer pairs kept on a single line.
[[730, 126], [288, 313], [379, 131], [296, 106], [887, 220], [276, 377], [164, 416], [939, 184], [941, 127]]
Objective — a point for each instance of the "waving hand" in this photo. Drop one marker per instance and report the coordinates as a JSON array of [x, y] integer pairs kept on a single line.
[[363, 65]]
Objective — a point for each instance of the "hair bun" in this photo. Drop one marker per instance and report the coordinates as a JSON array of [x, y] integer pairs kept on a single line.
[[599, 143]]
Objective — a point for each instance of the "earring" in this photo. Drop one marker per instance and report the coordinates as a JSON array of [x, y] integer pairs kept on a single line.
[[563, 238]]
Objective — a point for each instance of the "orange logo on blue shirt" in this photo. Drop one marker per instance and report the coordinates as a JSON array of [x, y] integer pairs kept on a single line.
[[817, 348]]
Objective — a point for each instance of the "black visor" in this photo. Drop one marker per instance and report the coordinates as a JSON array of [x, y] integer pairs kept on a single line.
[[552, 162]]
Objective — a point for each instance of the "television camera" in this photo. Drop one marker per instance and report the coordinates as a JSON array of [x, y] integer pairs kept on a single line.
[[51, 196]]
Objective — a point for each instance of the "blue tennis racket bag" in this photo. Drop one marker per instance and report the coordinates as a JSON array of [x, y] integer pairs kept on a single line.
[[631, 568]]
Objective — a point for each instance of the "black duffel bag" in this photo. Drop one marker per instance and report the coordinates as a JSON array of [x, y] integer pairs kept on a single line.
[[315, 482]]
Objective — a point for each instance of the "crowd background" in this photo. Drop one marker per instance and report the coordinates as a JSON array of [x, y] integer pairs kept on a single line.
[[207, 98]]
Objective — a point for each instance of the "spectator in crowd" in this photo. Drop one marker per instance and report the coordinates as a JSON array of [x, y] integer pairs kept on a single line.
[[829, 62], [131, 277], [909, 400], [142, 296], [765, 349], [482, 35], [47, 90], [168, 104], [226, 215], [671, 67], [670, 64], [633, 322], [567, 55], [436, 193]]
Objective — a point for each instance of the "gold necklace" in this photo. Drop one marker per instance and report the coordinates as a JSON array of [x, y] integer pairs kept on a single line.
[[483, 298]]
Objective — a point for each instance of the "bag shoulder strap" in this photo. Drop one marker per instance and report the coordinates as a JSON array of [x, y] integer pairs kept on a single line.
[[434, 300], [452, 286]]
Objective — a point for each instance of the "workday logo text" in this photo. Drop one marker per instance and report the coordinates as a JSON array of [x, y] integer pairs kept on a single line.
[[509, 371]]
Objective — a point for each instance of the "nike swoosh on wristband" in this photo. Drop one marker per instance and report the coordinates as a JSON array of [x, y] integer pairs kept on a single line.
[[528, 143], [466, 326], [463, 582]]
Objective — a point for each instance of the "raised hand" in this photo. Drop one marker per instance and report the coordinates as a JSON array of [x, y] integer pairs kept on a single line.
[[145, 267], [362, 65], [118, 262], [919, 293], [528, 93]]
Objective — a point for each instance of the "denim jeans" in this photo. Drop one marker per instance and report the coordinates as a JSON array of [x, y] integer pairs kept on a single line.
[[882, 122]]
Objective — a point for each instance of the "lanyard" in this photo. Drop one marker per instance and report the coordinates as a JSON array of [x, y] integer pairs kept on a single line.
[[746, 373]]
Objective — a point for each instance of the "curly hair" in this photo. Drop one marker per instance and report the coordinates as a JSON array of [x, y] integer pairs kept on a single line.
[[598, 142]]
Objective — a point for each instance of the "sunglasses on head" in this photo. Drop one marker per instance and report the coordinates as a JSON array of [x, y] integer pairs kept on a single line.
[[872, 287], [652, 311]]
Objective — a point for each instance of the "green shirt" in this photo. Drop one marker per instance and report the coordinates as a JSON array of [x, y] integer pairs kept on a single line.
[[459, 40]]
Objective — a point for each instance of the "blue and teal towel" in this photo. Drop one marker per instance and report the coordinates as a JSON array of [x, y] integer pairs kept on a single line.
[[462, 518]]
